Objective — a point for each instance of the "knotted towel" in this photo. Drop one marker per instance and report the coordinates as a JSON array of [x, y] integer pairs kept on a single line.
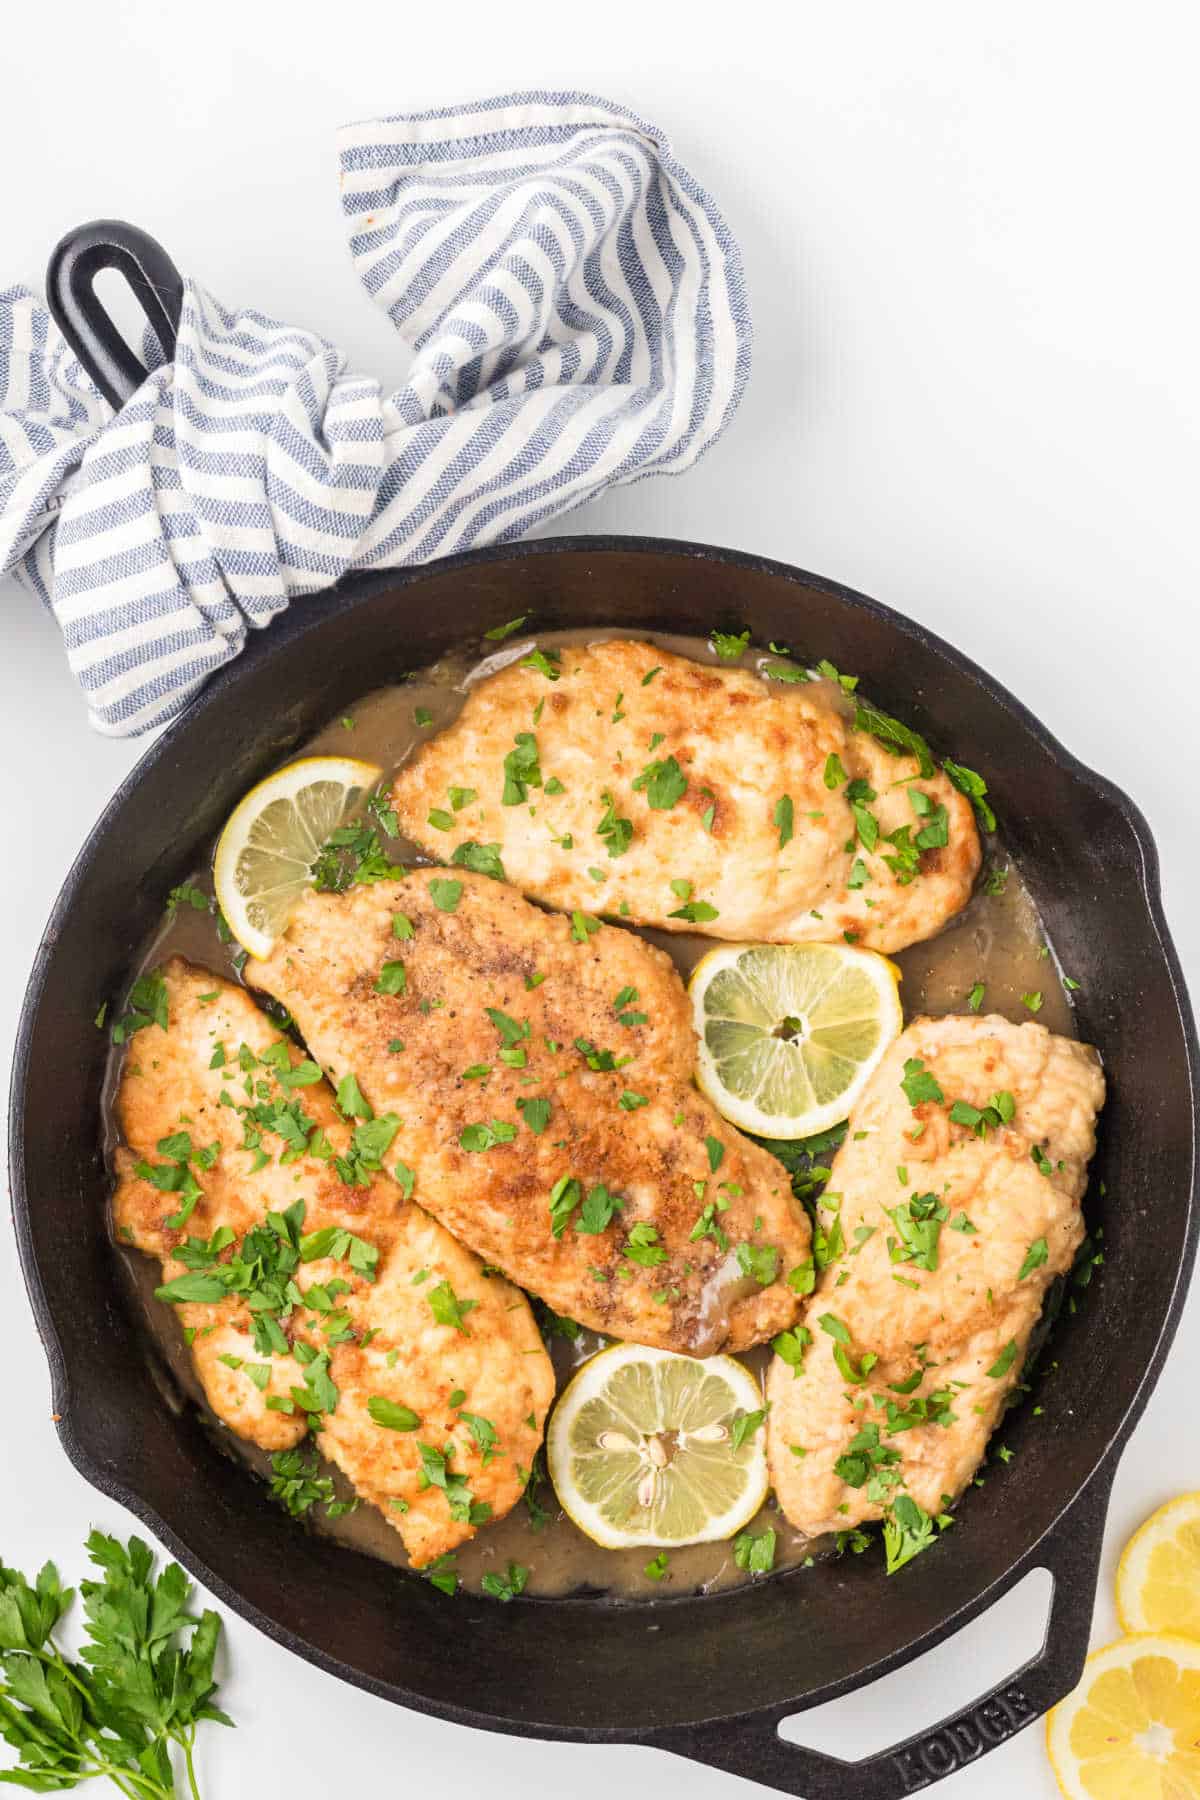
[[578, 316]]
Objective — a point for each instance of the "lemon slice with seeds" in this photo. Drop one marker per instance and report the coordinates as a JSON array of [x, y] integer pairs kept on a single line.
[[1158, 1578], [644, 1447], [265, 854], [790, 1034], [1131, 1729]]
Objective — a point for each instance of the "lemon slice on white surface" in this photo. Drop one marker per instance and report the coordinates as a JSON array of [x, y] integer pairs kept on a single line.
[[645, 1447], [1158, 1578], [265, 854], [790, 1034], [1131, 1729]]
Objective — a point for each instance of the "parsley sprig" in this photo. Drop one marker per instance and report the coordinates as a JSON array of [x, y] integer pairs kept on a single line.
[[137, 1692]]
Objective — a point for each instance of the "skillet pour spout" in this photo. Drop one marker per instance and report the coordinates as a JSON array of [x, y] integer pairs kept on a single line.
[[708, 1677]]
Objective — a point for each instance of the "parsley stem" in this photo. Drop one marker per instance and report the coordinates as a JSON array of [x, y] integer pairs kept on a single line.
[[190, 1766]]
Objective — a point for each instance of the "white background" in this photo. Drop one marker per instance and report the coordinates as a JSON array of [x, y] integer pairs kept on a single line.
[[970, 242]]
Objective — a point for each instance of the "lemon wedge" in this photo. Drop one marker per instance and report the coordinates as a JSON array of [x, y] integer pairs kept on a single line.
[[1158, 1577], [265, 854], [646, 1447], [790, 1034], [1131, 1729]]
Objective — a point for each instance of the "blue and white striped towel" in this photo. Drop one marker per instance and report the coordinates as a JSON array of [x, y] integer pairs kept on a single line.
[[578, 315]]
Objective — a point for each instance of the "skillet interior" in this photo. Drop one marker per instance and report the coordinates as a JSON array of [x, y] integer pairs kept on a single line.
[[578, 1667]]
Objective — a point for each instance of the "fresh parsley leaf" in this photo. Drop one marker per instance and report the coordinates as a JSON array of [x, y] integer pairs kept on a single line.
[[542, 662], [663, 783], [900, 739], [616, 833], [498, 633], [783, 817], [445, 894], [728, 645], [755, 1554], [599, 1209], [1004, 1361], [487, 1136], [975, 788], [536, 1114], [643, 1247], [391, 1415], [481, 859], [919, 1085], [696, 912], [759, 1261], [906, 1532], [393, 978], [146, 1005], [448, 1309], [744, 1426], [505, 1587], [521, 770]]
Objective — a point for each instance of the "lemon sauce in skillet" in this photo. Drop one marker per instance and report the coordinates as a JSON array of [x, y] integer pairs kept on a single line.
[[997, 941]]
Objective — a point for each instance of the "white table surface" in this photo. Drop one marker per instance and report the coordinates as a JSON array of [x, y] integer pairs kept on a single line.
[[969, 237]]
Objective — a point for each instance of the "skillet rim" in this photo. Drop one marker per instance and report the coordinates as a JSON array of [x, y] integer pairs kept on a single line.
[[1089, 1502]]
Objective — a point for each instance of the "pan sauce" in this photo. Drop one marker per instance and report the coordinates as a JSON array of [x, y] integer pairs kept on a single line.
[[996, 940]]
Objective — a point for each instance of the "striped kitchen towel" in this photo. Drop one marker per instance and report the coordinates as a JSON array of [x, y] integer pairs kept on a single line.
[[577, 312]]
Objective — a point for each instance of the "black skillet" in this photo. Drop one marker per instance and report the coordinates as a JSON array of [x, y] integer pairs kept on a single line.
[[709, 1678]]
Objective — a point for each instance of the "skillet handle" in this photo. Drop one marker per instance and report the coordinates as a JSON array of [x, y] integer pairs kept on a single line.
[[70, 293], [754, 1749]]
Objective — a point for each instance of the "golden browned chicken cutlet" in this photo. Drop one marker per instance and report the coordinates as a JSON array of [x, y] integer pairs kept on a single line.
[[624, 780], [313, 1291], [539, 1070], [952, 1205]]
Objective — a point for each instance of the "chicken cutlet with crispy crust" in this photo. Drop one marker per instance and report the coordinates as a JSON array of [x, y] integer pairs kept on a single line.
[[235, 1154], [540, 1070], [621, 778], [952, 1205]]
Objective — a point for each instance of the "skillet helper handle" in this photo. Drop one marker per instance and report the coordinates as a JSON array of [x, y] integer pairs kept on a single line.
[[70, 293], [755, 1750]]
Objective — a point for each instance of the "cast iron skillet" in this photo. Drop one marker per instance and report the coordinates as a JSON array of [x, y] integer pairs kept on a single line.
[[709, 1678]]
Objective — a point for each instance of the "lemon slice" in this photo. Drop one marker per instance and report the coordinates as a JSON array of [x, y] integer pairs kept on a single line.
[[1158, 1578], [1131, 1729], [790, 1034], [641, 1448], [272, 838]]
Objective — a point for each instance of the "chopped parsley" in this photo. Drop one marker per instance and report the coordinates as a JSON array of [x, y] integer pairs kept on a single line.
[[663, 783], [505, 1587], [486, 1136], [918, 1084], [521, 770], [642, 1246], [448, 1309], [755, 1554], [758, 1261], [482, 859], [146, 1005], [393, 979], [900, 739], [391, 1415], [616, 833], [445, 894], [975, 788]]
